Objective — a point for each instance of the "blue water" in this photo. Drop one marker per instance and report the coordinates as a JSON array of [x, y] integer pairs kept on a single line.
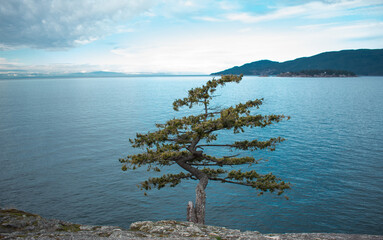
[[60, 141]]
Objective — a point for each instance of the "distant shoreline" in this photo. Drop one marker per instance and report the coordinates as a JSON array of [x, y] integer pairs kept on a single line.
[[92, 76], [318, 73]]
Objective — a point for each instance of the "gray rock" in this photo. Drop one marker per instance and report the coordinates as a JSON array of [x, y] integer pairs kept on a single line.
[[16, 224]]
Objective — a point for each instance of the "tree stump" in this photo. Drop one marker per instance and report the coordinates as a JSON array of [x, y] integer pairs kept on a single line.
[[191, 212]]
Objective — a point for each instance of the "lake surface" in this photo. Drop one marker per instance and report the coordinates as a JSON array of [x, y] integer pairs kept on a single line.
[[60, 141]]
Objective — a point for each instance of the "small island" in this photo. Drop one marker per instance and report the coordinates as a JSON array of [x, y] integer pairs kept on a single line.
[[318, 73]]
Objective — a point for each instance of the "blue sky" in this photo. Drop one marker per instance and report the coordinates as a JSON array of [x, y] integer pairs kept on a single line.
[[180, 37]]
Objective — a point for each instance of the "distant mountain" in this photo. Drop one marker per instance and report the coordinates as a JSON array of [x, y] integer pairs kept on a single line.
[[24, 74], [97, 74], [366, 62], [18, 74]]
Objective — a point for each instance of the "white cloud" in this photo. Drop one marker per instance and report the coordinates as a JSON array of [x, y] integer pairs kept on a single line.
[[228, 5], [57, 68], [7, 66], [179, 8], [311, 10], [208, 19], [170, 46], [3, 60], [206, 53], [358, 30], [278, 14], [55, 24], [5, 63], [186, 57], [313, 27], [244, 30]]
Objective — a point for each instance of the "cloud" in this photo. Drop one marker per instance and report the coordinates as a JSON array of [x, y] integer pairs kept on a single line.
[[3, 60], [228, 5], [57, 24], [15, 68], [278, 14], [5, 63], [208, 19], [205, 53], [177, 55], [311, 10], [7, 66], [214, 36], [182, 10], [359, 31], [179, 9]]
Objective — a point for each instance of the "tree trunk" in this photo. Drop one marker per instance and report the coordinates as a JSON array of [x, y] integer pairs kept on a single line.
[[196, 213], [200, 201]]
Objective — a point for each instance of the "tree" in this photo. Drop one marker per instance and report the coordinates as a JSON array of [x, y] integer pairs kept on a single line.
[[182, 141]]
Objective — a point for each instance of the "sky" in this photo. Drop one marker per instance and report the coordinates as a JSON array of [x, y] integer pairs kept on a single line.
[[178, 36]]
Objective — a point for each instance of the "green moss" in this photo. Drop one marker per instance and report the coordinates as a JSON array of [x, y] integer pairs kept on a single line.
[[70, 228], [5, 227], [16, 212]]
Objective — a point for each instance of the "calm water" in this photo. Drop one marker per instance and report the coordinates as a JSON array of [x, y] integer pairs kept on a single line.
[[60, 140]]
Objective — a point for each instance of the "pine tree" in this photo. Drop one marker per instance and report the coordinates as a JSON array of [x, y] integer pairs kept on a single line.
[[182, 141]]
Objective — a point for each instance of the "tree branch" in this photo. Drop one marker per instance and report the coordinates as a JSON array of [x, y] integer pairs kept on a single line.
[[235, 155], [194, 171], [215, 145], [204, 164], [223, 180], [215, 164]]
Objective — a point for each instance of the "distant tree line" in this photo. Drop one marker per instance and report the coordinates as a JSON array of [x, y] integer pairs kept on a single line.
[[318, 73]]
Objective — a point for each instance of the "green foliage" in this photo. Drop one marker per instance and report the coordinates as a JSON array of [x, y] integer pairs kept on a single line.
[[203, 95], [69, 227], [182, 141], [171, 179]]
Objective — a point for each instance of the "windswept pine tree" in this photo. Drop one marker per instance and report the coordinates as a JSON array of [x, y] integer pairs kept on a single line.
[[183, 141]]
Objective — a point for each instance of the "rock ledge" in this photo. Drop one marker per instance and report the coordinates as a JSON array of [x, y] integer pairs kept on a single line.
[[16, 224]]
